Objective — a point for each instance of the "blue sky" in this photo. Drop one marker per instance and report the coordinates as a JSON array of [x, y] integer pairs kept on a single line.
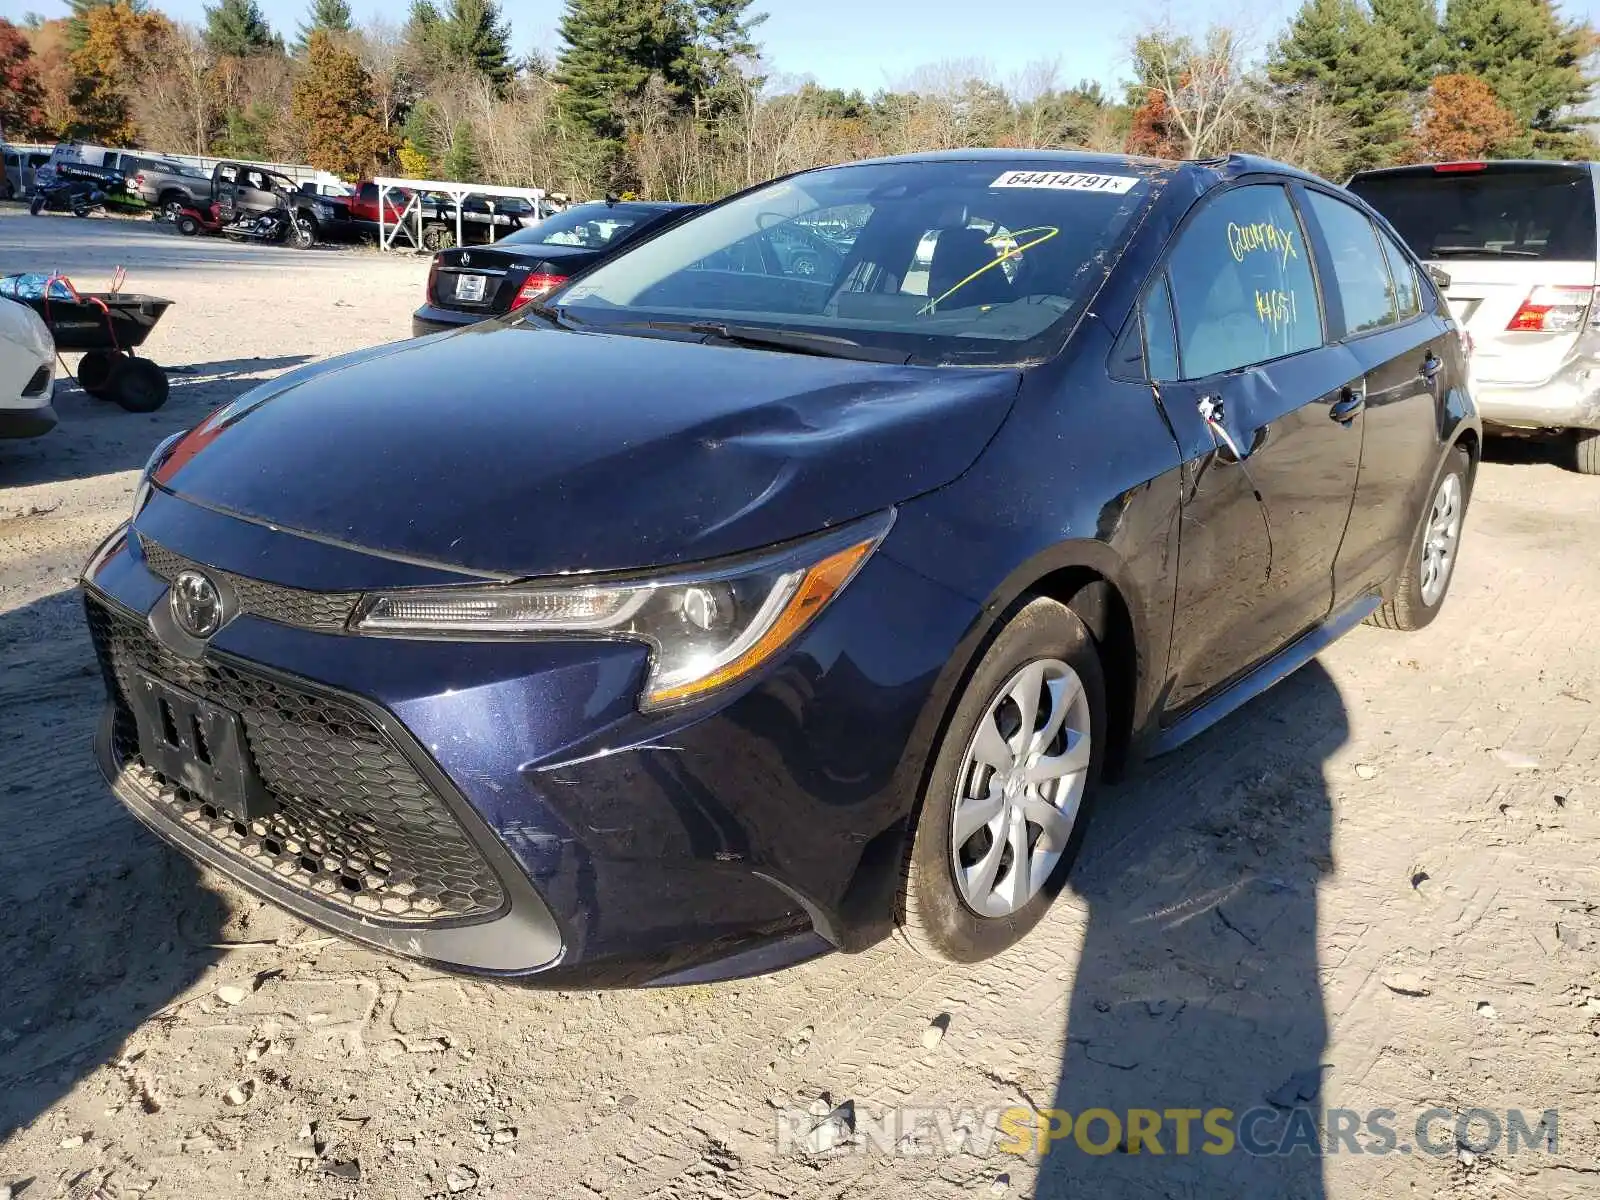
[[869, 44]]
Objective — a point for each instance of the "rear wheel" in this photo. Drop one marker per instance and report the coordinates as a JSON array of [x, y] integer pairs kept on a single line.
[[36, 205], [140, 386], [1430, 564], [1009, 795], [1586, 452], [170, 206]]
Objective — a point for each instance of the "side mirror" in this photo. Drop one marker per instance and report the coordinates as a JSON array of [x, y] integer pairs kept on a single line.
[[1441, 279]]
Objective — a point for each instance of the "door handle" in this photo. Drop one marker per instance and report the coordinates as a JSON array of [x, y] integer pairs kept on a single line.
[[1352, 400], [1431, 366]]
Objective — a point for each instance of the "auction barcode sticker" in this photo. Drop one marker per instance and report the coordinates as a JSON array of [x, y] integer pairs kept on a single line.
[[1067, 181]]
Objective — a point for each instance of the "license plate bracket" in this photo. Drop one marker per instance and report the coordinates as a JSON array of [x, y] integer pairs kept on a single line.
[[471, 287], [199, 746]]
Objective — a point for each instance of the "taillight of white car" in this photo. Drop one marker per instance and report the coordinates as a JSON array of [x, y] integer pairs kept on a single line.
[[1553, 309]]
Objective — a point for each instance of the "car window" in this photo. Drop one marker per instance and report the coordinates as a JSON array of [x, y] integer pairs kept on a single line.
[[1489, 211], [1160, 337], [1359, 270], [591, 227], [1407, 288], [1242, 283], [1020, 250]]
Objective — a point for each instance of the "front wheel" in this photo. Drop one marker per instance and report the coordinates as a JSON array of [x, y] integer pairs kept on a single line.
[[36, 205], [1431, 561], [1008, 798], [302, 234]]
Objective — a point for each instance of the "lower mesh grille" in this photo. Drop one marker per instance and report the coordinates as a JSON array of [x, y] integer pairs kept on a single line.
[[355, 825]]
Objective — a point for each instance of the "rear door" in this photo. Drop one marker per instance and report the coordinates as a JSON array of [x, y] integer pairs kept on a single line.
[[1272, 469], [1518, 242], [1376, 308]]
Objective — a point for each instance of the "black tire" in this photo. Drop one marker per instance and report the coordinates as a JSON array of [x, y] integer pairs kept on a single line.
[[140, 386], [1586, 451], [188, 225], [98, 371], [1406, 610], [932, 915], [81, 210], [437, 237], [302, 234], [169, 206], [36, 205]]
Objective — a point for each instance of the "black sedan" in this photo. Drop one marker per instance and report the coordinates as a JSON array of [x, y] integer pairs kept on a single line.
[[470, 284]]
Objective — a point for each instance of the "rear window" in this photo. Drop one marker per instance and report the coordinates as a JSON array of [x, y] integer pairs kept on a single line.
[[592, 228], [1509, 213]]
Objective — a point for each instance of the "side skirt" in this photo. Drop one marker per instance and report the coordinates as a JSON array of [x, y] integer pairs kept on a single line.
[[1280, 666]]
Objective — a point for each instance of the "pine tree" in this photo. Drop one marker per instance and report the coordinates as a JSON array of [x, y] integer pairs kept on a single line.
[[333, 105], [329, 16], [238, 29], [1416, 22], [1358, 66], [724, 46], [461, 165], [472, 33], [1529, 55], [612, 48]]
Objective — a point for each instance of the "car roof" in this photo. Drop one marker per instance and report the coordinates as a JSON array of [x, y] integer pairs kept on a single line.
[[1218, 169]]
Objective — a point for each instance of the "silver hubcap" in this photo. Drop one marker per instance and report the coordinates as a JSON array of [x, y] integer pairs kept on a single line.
[[1020, 788], [1441, 539]]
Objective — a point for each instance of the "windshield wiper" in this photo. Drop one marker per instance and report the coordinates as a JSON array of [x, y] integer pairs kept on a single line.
[[550, 313], [760, 338], [1501, 251]]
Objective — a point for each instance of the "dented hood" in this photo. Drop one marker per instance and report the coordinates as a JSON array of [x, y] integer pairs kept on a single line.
[[522, 450]]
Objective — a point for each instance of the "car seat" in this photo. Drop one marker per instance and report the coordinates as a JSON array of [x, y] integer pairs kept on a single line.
[[957, 278]]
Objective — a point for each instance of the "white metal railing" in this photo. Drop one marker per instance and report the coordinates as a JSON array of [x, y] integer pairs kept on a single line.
[[410, 219]]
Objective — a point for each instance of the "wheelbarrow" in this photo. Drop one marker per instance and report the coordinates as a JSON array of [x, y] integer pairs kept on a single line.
[[106, 327]]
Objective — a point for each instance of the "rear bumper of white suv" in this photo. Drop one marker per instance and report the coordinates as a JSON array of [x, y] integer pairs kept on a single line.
[[1568, 400]]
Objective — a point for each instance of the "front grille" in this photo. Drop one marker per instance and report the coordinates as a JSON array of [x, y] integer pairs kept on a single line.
[[325, 611], [355, 825]]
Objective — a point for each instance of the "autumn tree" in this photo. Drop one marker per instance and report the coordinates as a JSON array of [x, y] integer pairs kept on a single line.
[[78, 22], [1203, 84], [333, 105], [1463, 119], [106, 70], [176, 107], [21, 96], [1152, 131]]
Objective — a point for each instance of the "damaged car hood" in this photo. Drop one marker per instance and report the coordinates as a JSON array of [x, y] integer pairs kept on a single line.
[[520, 450]]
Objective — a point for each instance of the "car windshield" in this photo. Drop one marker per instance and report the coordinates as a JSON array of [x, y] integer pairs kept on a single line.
[[1495, 213], [591, 226], [952, 261]]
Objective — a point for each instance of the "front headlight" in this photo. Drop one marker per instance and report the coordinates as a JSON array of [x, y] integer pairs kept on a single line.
[[706, 627]]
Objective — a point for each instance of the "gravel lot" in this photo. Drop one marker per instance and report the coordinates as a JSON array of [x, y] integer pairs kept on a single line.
[[1380, 879]]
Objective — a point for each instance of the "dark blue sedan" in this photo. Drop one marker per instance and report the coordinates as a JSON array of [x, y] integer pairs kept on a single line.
[[794, 576]]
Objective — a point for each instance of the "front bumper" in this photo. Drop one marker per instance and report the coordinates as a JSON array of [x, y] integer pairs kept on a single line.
[[31, 418], [737, 837]]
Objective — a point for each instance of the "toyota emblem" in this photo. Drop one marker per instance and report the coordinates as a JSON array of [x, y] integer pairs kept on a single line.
[[196, 604]]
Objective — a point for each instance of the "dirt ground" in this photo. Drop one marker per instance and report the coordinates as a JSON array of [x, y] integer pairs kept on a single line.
[[1375, 888]]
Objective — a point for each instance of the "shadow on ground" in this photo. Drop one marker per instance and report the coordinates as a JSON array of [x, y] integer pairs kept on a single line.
[[104, 926], [95, 437], [1198, 987]]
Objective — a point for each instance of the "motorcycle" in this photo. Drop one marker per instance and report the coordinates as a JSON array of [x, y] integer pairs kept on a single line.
[[74, 188], [276, 227]]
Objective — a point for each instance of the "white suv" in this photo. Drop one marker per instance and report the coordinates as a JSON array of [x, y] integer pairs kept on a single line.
[[1517, 240], [27, 372]]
